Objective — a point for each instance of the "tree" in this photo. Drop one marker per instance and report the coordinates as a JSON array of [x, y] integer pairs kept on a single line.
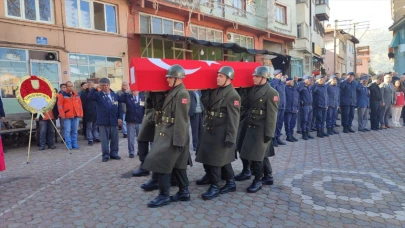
[[371, 71]]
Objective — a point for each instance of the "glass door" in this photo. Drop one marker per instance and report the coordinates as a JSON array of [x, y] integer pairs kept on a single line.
[[47, 69]]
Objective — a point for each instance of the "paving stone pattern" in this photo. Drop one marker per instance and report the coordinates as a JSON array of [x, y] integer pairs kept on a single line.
[[346, 180]]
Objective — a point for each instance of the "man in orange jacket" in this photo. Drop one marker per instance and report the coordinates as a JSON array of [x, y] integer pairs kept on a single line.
[[70, 110]]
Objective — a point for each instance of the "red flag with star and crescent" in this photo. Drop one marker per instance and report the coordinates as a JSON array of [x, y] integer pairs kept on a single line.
[[148, 74]]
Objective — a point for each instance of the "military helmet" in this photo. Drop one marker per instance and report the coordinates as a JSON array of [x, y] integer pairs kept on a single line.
[[175, 71], [228, 71], [262, 71]]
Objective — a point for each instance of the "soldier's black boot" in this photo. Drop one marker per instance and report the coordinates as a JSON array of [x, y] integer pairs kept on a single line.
[[182, 195], [330, 132], [289, 139], [349, 128], [280, 142], [334, 131], [345, 130], [230, 186], [319, 133], [304, 135], [140, 172], [244, 175], [152, 183], [267, 180], [275, 144], [324, 133], [211, 193], [293, 138], [309, 135], [163, 197], [255, 186], [203, 181]]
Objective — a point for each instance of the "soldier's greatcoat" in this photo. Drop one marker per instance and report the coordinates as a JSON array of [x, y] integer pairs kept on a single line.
[[147, 131], [260, 122], [220, 126], [171, 145]]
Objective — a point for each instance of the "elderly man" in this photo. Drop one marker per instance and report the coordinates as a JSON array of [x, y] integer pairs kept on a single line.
[[375, 102], [348, 102], [90, 115], [363, 103], [279, 86], [388, 99], [109, 116], [124, 88]]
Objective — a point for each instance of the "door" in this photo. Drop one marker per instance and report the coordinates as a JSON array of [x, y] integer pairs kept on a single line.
[[47, 69]]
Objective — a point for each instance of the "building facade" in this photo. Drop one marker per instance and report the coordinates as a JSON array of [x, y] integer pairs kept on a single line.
[[61, 40], [307, 55], [363, 59], [398, 39], [350, 63]]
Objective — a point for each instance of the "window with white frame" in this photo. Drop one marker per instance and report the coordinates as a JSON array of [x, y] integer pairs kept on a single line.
[[89, 14], [241, 40], [152, 47], [158, 25], [84, 67], [281, 14], [302, 31], [33, 10], [239, 4], [204, 33], [307, 63]]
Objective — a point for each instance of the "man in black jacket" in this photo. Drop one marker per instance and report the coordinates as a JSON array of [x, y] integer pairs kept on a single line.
[[375, 102], [89, 115]]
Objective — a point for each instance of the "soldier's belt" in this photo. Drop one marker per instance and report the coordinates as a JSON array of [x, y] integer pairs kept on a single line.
[[167, 120], [258, 112], [216, 114]]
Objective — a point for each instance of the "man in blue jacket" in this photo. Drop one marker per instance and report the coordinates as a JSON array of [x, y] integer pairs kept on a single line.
[[196, 116], [333, 104], [279, 85], [348, 101], [320, 95], [291, 109], [363, 103], [305, 111], [135, 109], [109, 116]]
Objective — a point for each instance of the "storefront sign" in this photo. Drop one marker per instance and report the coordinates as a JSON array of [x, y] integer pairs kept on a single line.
[[42, 40], [317, 50]]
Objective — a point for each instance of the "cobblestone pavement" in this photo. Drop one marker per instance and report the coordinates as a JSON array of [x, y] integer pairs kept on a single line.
[[346, 180]]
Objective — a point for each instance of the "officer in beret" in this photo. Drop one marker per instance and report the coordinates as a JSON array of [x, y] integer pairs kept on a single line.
[[348, 101], [306, 100], [320, 104], [279, 86], [291, 109], [363, 103], [333, 104], [260, 126], [217, 147], [109, 116], [170, 153]]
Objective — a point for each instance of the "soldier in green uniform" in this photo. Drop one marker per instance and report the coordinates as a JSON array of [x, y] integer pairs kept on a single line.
[[260, 125], [170, 153], [217, 142]]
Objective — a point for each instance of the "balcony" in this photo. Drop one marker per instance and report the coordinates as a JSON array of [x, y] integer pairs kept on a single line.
[[322, 10], [302, 45]]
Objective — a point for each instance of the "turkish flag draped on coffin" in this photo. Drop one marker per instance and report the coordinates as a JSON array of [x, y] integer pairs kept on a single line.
[[149, 74]]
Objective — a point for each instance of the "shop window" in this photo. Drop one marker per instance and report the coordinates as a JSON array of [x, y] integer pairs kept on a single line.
[[13, 66], [160, 48], [240, 57], [157, 25], [281, 14], [206, 53], [33, 10], [89, 14], [84, 67]]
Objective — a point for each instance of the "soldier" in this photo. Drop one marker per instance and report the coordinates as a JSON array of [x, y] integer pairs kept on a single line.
[[170, 152], [260, 125], [217, 150], [279, 85], [291, 109], [348, 101], [320, 103], [305, 106], [333, 104]]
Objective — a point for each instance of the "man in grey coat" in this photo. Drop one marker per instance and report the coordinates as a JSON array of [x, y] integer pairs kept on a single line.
[[388, 99]]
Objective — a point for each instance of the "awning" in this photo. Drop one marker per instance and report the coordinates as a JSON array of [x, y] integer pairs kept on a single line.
[[395, 40], [228, 46]]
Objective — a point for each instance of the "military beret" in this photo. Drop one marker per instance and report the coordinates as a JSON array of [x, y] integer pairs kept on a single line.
[[350, 73], [277, 72], [306, 77], [288, 79], [375, 77], [104, 81]]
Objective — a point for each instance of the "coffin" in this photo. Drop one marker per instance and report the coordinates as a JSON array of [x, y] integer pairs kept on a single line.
[[148, 74]]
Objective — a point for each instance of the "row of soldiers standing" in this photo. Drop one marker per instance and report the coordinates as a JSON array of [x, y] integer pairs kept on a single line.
[[231, 125]]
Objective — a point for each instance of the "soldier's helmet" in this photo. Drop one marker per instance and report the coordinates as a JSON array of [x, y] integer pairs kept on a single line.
[[176, 71], [262, 71], [228, 71]]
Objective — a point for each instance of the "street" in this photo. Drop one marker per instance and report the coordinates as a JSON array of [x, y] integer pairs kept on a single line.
[[345, 180]]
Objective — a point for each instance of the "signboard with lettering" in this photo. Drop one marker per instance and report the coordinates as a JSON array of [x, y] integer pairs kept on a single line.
[[42, 40]]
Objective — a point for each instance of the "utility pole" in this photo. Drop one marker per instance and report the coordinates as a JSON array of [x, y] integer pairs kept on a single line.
[[354, 45], [334, 44]]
